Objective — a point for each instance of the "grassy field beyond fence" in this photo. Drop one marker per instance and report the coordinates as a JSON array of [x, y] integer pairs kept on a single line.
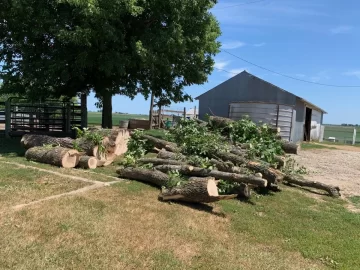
[[94, 118], [342, 134]]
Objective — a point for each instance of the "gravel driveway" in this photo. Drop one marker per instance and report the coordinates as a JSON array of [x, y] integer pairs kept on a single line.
[[336, 167]]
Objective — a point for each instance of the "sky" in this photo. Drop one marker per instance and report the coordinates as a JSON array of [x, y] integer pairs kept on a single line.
[[313, 40]]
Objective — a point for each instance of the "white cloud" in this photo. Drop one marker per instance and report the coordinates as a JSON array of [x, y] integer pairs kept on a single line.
[[221, 64], [342, 29], [234, 72], [232, 45], [259, 44], [355, 73]]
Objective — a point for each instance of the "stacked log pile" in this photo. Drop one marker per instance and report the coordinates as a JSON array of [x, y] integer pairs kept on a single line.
[[89, 155], [199, 184]]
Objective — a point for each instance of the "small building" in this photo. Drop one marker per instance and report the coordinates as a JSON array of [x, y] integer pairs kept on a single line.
[[248, 95]]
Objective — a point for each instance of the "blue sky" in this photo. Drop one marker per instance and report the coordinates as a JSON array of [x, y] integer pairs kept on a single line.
[[314, 40]]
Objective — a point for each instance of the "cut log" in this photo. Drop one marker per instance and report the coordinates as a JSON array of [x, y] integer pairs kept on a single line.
[[159, 161], [243, 191], [235, 159], [333, 191], [159, 143], [237, 151], [163, 154], [90, 148], [31, 140], [280, 162], [58, 156], [270, 174], [220, 122], [228, 167], [232, 177], [290, 148], [204, 191], [87, 162], [150, 176], [201, 122]]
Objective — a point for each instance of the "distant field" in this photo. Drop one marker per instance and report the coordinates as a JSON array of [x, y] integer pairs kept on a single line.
[[94, 118], [341, 133]]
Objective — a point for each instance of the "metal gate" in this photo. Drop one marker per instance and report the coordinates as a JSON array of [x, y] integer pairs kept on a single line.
[[275, 115], [48, 117]]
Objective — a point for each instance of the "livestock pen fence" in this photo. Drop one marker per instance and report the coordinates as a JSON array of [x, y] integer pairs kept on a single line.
[[342, 134], [19, 116]]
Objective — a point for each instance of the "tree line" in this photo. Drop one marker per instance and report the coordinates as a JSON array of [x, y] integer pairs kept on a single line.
[[54, 48]]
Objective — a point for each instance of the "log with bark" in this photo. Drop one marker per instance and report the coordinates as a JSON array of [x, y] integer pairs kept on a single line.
[[163, 154], [195, 171], [31, 140], [159, 161], [243, 191], [159, 143], [145, 175], [219, 122], [87, 162], [333, 191], [201, 191], [58, 156], [270, 174], [226, 156], [290, 148]]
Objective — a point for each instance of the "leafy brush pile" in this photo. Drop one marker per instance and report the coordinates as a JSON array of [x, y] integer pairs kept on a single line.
[[261, 141]]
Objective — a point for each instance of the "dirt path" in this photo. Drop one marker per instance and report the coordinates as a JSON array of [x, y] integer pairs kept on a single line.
[[336, 167]]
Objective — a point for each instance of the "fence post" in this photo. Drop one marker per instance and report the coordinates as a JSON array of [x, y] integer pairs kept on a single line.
[[195, 112], [68, 118], [184, 113], [7, 118], [160, 117], [354, 137]]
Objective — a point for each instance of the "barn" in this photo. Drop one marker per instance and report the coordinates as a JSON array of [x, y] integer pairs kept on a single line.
[[248, 95]]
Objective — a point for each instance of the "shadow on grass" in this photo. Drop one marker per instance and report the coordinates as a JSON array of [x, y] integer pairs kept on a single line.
[[11, 147], [323, 193], [202, 207]]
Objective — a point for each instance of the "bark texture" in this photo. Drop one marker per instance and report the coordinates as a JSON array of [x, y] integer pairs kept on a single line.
[[195, 191], [29, 141], [150, 176], [58, 156], [163, 154], [300, 181], [290, 148], [87, 162], [159, 161], [159, 143]]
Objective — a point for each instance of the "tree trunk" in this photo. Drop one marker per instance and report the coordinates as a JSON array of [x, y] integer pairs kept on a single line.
[[243, 191], [194, 171], [151, 111], [228, 167], [235, 159], [29, 141], [270, 174], [150, 176], [107, 110], [300, 181], [163, 154], [87, 162], [203, 191], [158, 143], [220, 122], [159, 161], [290, 148], [84, 111], [58, 156]]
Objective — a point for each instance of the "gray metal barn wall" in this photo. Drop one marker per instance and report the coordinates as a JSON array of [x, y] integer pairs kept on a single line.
[[298, 129], [241, 88], [272, 114], [316, 116]]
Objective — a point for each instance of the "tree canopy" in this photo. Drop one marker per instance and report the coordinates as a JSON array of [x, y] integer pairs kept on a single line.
[[129, 47]]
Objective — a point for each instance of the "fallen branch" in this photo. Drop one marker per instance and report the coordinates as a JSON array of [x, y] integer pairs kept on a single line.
[[159, 143], [159, 161], [300, 181], [232, 177], [163, 154]]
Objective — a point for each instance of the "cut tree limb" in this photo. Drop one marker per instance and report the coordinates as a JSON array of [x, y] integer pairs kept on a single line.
[[194, 171], [290, 148], [201, 191], [31, 140], [87, 162], [300, 181], [159, 161], [243, 191], [235, 159], [150, 176], [163, 154], [270, 174], [220, 122], [58, 156], [159, 143]]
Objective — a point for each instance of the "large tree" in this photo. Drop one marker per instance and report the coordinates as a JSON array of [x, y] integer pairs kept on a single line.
[[62, 47]]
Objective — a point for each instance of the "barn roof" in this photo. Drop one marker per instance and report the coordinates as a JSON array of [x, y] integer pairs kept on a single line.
[[307, 103]]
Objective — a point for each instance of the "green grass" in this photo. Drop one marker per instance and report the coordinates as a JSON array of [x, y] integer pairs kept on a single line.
[[158, 133], [341, 133], [94, 118], [355, 200], [309, 146]]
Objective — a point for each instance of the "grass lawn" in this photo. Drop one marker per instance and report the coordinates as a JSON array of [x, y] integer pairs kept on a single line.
[[94, 118], [125, 226], [341, 133], [310, 146]]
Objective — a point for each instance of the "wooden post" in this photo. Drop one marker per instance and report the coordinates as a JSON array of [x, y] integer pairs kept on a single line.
[[68, 118], [151, 111], [7, 118], [84, 111], [159, 117], [184, 113], [354, 137], [277, 115]]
